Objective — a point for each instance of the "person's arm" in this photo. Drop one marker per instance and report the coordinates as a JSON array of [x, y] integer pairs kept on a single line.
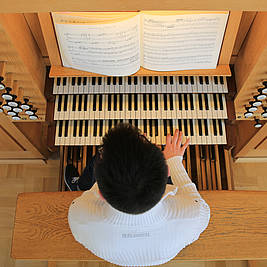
[[173, 154]]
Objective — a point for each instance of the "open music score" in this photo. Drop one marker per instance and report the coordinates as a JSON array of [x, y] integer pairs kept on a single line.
[[118, 44]]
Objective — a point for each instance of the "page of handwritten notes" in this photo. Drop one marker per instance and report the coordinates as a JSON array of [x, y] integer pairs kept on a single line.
[[182, 42], [109, 49]]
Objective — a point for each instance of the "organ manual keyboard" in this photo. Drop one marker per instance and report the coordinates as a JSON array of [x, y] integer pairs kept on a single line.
[[87, 107]]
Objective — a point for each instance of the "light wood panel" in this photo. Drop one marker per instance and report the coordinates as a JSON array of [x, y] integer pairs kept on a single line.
[[23, 58], [127, 5], [242, 209], [250, 67]]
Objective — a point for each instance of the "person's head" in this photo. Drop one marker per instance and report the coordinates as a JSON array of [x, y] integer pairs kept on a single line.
[[131, 173]]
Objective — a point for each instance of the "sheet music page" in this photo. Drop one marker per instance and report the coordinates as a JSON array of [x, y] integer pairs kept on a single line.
[[111, 48], [181, 42]]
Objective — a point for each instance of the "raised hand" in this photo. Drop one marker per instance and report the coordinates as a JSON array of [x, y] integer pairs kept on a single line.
[[174, 145]]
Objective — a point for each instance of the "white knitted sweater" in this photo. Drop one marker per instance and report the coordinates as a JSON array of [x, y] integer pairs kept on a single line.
[[151, 238]]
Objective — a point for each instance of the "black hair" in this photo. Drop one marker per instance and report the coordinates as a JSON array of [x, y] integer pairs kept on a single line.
[[130, 171]]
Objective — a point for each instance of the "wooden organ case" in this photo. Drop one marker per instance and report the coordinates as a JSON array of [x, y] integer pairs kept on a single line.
[[202, 103]]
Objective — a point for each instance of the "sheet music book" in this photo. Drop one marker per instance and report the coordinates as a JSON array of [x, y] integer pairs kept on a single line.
[[118, 43]]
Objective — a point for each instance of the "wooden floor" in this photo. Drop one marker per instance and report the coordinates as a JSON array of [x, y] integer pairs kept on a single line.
[[39, 178]]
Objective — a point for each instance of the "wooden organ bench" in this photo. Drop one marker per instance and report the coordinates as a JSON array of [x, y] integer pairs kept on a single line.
[[236, 230]]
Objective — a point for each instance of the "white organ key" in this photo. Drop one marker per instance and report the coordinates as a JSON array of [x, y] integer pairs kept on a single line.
[[193, 84], [101, 106], [159, 136], [189, 112], [73, 107], [105, 130], [63, 111], [90, 106], [163, 85], [172, 84], [71, 140], [150, 84], [79, 85], [116, 85], [175, 125], [101, 85], [67, 136], [156, 80], [183, 106], [203, 132], [208, 83], [138, 112], [212, 113], [186, 85], [131, 106], [161, 106], [224, 112], [214, 80], [148, 111], [141, 125], [121, 84], [178, 85], [169, 87], [143, 82], [183, 130], [57, 83], [196, 131], [128, 84], [90, 87], [56, 113], [153, 111], [223, 83], [75, 85], [57, 134], [112, 112], [176, 107], [223, 137], [200, 88], [117, 106], [126, 105], [79, 132], [90, 132], [192, 132], [169, 113], [105, 107], [137, 81], [86, 85], [209, 137]]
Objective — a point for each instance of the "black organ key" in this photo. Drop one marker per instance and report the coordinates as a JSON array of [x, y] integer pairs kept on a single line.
[[84, 80], [165, 101], [150, 127], [191, 128], [66, 128], [66, 102], [215, 101], [206, 127], [145, 126], [93, 80], [115, 103], [200, 79], [215, 79], [165, 79], [171, 80], [109, 102], [171, 127], [156, 128], [75, 129], [99, 80], [135, 80], [95, 128], [207, 80], [180, 125], [80, 102], [59, 102], [185, 102], [200, 127], [94, 102], [129, 101], [200, 101], [185, 128], [221, 80], [156, 102], [220, 127], [85, 102], [180, 80], [100, 102], [165, 127], [120, 80], [144, 100], [101, 128], [73, 81], [86, 128], [171, 101], [114, 80], [214, 127], [80, 128], [109, 81], [192, 80], [64, 81], [121, 101], [150, 80], [150, 101], [60, 128], [206, 102], [58, 81], [129, 80], [191, 101], [74, 103], [156, 80], [135, 102], [186, 79], [109, 124], [79, 81], [144, 80], [180, 101], [220, 101]]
